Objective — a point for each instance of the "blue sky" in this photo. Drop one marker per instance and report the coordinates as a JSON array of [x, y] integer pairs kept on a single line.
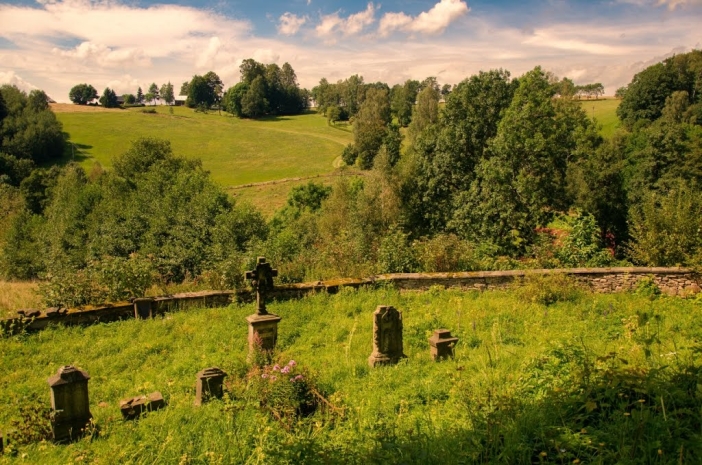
[[55, 44]]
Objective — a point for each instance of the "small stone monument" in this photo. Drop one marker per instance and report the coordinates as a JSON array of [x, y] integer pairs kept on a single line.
[[387, 336], [263, 326], [134, 407], [69, 402], [143, 308], [442, 344], [209, 385]]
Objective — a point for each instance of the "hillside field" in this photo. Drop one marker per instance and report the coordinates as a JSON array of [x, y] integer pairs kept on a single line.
[[589, 379], [236, 151], [605, 112]]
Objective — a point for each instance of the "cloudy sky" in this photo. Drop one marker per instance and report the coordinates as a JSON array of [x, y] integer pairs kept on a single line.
[[55, 44]]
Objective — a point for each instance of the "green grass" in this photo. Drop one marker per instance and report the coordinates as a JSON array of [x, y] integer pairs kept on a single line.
[[605, 113], [517, 391], [235, 151]]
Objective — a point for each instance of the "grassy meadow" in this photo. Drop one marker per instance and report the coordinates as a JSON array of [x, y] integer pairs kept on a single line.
[[235, 151], [589, 379], [604, 111]]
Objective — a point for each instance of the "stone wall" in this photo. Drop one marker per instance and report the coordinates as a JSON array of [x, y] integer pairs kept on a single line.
[[672, 281]]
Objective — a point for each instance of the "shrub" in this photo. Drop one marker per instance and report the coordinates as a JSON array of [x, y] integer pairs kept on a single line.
[[395, 255], [549, 289]]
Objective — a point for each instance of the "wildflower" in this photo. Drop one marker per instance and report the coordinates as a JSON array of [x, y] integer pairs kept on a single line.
[[299, 378], [273, 378], [286, 369], [264, 375], [292, 363], [276, 367]]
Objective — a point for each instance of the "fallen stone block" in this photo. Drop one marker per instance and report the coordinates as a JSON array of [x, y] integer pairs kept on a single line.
[[134, 407]]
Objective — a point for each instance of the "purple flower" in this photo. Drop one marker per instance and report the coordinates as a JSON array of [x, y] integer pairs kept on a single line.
[[276, 367], [286, 369], [292, 363]]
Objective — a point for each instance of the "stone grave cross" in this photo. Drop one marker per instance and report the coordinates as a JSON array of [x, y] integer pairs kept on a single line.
[[262, 281]]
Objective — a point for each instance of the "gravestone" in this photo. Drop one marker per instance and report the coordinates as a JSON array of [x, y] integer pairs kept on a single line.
[[441, 344], [134, 407], [387, 336], [143, 308], [69, 402], [263, 326], [209, 385]]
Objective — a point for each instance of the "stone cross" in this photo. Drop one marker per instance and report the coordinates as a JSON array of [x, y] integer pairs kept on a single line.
[[262, 281], [69, 402], [441, 344], [387, 336], [209, 385]]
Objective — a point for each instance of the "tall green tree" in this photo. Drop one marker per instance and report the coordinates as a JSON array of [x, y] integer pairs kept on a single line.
[[82, 94], [167, 93], [153, 93], [370, 126], [109, 98]]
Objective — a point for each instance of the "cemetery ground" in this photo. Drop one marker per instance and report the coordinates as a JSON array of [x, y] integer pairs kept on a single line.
[[589, 378]]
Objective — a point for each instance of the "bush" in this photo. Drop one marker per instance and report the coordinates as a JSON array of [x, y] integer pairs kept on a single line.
[[395, 255], [549, 289]]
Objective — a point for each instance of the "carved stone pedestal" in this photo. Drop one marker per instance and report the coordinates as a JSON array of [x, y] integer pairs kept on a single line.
[[70, 403], [263, 331], [387, 336], [442, 344], [209, 385]]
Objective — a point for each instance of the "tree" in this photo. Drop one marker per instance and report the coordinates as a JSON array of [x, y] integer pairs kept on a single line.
[[233, 97], [109, 98], [370, 126], [185, 88], [620, 92], [426, 111], [254, 102], [82, 94], [153, 93], [139, 96], [37, 100], [199, 93], [129, 99], [445, 90], [167, 93], [402, 101], [216, 88]]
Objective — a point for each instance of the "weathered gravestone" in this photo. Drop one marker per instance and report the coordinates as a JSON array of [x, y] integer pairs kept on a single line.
[[441, 344], [70, 403], [387, 336], [263, 326], [134, 407], [143, 308], [209, 385]]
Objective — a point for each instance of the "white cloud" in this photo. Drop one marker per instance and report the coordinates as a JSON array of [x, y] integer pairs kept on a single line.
[[290, 23], [9, 77], [334, 24], [101, 55], [207, 57], [673, 4], [434, 21]]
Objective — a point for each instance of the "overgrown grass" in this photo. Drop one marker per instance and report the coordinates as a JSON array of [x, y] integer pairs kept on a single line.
[[604, 111], [17, 295], [597, 378], [236, 151]]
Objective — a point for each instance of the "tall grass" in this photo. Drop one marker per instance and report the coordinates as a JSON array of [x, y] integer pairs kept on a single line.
[[17, 295], [589, 378]]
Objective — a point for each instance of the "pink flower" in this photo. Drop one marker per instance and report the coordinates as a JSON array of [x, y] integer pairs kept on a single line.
[[292, 363], [273, 378], [286, 369], [276, 367], [265, 375]]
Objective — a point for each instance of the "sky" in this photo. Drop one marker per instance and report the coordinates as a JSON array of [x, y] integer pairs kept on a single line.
[[123, 44]]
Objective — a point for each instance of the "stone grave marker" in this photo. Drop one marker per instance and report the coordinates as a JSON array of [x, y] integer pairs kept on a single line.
[[134, 407], [387, 336], [69, 402], [209, 385], [263, 326], [143, 308], [441, 344]]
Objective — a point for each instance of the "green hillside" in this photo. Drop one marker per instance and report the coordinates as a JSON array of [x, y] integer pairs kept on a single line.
[[235, 151], [605, 112], [596, 379]]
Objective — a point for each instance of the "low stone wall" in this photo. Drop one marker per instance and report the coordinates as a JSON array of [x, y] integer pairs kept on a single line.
[[672, 281]]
